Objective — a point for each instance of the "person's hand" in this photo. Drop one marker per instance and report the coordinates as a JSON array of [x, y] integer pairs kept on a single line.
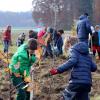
[[27, 79], [53, 71], [17, 74]]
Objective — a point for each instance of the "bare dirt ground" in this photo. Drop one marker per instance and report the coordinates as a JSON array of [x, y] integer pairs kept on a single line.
[[49, 88]]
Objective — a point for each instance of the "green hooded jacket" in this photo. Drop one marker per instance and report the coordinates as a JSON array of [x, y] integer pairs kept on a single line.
[[25, 62]]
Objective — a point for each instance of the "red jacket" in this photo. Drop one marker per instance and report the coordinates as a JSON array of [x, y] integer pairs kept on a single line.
[[41, 33], [7, 35]]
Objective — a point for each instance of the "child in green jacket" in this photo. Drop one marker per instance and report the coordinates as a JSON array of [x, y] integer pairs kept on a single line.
[[20, 66]]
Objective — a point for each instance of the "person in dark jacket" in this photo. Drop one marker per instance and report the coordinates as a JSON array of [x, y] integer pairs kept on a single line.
[[96, 41], [32, 34], [81, 66], [83, 28], [59, 41], [49, 37]]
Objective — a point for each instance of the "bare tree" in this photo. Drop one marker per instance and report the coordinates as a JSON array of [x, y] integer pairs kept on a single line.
[[96, 11], [66, 11], [44, 10]]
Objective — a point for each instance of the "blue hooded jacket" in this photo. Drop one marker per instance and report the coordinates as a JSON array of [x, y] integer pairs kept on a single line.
[[83, 27], [80, 63]]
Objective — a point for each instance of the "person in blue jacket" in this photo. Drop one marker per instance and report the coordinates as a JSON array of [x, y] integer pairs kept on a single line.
[[83, 28], [81, 66]]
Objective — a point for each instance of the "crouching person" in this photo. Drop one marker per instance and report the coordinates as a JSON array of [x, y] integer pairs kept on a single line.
[[81, 66], [20, 67]]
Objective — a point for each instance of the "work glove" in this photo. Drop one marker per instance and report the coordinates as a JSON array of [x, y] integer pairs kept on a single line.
[[53, 71], [27, 79]]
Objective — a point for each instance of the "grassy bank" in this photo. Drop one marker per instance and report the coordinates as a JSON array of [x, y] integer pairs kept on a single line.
[[95, 98]]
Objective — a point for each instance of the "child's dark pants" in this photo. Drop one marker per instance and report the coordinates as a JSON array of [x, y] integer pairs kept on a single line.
[[77, 92], [22, 94]]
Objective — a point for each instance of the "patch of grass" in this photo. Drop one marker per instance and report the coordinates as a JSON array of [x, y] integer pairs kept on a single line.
[[95, 98], [12, 49]]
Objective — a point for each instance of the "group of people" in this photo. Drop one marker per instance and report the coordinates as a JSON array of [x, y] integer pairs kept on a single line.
[[85, 27], [80, 62], [95, 42], [53, 41]]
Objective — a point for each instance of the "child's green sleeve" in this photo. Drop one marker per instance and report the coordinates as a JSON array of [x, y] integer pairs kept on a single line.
[[14, 61]]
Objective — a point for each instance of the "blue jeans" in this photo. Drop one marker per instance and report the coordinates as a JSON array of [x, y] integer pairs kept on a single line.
[[6, 44]]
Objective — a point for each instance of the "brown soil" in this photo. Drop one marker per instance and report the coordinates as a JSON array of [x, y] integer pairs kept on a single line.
[[47, 87]]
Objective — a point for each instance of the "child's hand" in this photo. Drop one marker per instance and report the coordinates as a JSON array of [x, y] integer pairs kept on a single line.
[[17, 74], [53, 71], [27, 79]]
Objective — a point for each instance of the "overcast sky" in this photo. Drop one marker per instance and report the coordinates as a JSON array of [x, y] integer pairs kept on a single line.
[[16, 5]]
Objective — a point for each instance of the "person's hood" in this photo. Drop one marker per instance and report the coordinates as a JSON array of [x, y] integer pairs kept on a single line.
[[50, 30], [82, 17], [81, 47]]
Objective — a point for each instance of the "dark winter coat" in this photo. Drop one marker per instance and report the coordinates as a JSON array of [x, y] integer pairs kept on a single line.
[[83, 28], [96, 39], [80, 63], [59, 44]]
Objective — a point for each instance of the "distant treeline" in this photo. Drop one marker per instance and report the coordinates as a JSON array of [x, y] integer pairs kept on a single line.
[[22, 19]]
